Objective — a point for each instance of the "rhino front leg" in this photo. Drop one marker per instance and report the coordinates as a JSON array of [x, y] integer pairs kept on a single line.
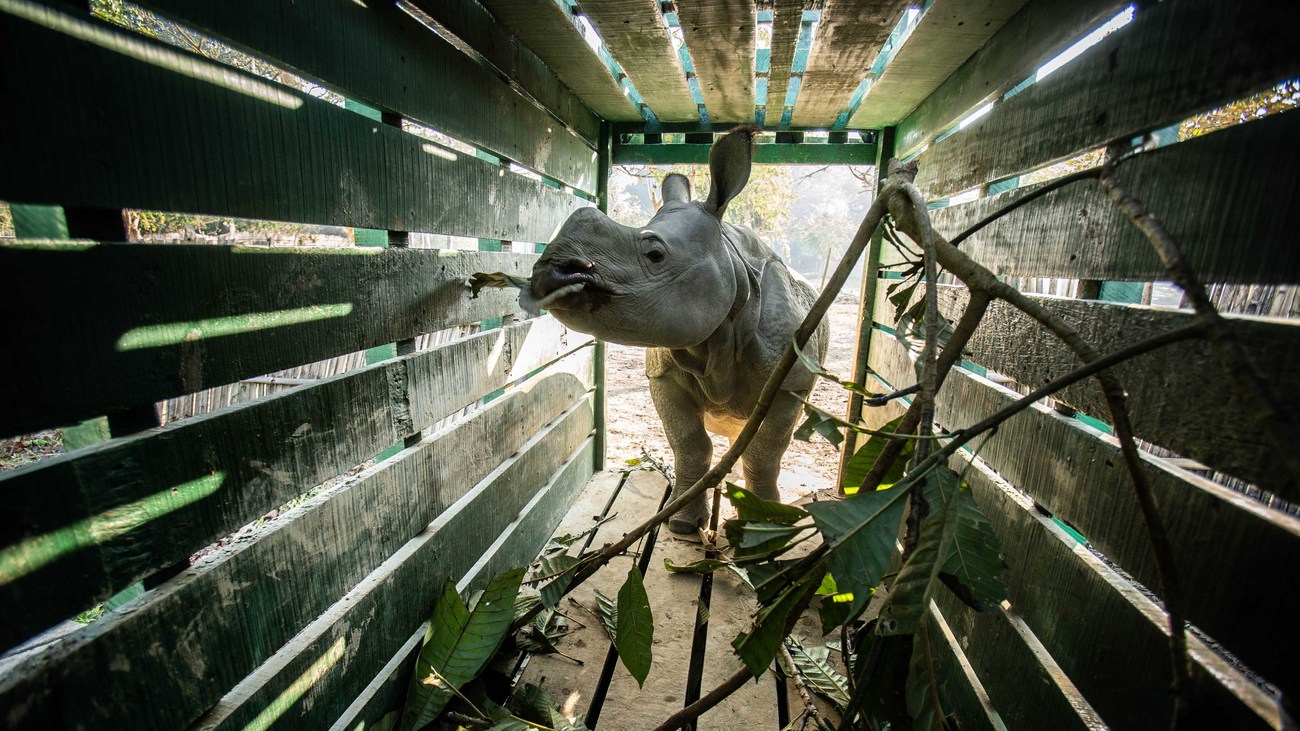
[[762, 459], [692, 449]]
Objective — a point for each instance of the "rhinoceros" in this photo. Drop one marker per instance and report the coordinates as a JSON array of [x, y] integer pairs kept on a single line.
[[714, 306]]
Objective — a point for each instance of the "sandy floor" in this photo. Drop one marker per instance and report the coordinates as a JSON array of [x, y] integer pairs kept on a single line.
[[634, 427]]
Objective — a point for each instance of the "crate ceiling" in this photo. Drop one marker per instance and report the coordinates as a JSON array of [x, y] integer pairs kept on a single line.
[[781, 64]]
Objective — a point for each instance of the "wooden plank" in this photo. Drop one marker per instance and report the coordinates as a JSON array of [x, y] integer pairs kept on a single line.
[[152, 322], [271, 153], [945, 36], [961, 692], [774, 154], [229, 468], [787, 17], [1211, 192], [548, 30], [721, 38], [379, 55], [635, 34], [1106, 636], [1148, 75], [1218, 432], [230, 612], [378, 617], [1078, 475], [1041, 30], [731, 611], [848, 39], [469, 25]]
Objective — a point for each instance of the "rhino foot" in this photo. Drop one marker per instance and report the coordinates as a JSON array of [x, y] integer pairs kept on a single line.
[[689, 519]]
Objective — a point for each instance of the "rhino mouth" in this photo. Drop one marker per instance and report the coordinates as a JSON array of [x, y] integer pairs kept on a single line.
[[579, 295]]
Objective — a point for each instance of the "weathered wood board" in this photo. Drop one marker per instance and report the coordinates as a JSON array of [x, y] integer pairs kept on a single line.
[[151, 321], [280, 154], [1148, 75], [636, 36], [1212, 193], [135, 505], [946, 35], [1219, 432], [721, 38], [548, 30], [383, 57], [775, 154], [848, 40], [469, 25], [1034, 35], [1078, 475]]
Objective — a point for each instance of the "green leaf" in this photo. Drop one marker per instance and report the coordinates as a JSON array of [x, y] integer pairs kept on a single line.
[[634, 627], [751, 540], [458, 645], [910, 595], [819, 422], [561, 568], [531, 703], [752, 507], [480, 280], [862, 460], [923, 703], [703, 566], [608, 613], [815, 666], [972, 567], [860, 533], [902, 297], [758, 647]]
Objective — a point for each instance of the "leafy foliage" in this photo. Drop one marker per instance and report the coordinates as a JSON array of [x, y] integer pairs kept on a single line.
[[634, 627], [815, 666], [458, 644], [910, 596], [862, 460], [758, 647], [923, 682], [533, 704], [860, 533]]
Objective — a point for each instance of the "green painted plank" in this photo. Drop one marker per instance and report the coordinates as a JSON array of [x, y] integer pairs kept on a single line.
[[720, 36], [469, 25], [960, 691], [1106, 636], [1079, 476], [848, 39], [1042, 29], [384, 57], [1218, 432], [774, 154], [635, 34], [547, 29], [377, 618], [1212, 193], [235, 610], [945, 36], [1150, 74], [199, 479], [152, 322], [220, 141]]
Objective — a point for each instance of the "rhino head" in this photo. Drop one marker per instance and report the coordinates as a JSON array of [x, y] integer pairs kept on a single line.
[[668, 283]]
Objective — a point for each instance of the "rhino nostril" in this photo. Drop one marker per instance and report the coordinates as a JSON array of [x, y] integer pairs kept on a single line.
[[573, 266]]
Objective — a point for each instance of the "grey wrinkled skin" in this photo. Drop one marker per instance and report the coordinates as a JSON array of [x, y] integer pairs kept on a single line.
[[713, 305]]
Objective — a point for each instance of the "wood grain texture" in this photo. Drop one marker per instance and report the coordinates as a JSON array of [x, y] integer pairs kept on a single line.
[[229, 144], [787, 17], [379, 616], [1150, 74], [1161, 385], [153, 321], [1230, 199], [225, 616], [945, 36], [1079, 476], [1042, 29], [469, 25], [258, 455], [1107, 637], [383, 57], [848, 40], [960, 690], [774, 154], [634, 33], [720, 36], [548, 31]]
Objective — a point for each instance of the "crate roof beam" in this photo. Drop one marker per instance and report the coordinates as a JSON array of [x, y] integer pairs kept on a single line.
[[945, 36], [785, 18], [721, 36], [638, 38], [849, 38]]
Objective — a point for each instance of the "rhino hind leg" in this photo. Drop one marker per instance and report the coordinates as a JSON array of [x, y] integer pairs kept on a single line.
[[692, 450]]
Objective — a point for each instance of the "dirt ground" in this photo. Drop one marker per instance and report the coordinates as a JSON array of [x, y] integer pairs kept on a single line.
[[808, 466]]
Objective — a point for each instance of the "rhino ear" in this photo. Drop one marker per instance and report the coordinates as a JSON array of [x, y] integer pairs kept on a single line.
[[729, 163], [676, 188]]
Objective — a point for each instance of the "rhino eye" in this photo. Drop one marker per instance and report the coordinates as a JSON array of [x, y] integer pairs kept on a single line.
[[655, 255]]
